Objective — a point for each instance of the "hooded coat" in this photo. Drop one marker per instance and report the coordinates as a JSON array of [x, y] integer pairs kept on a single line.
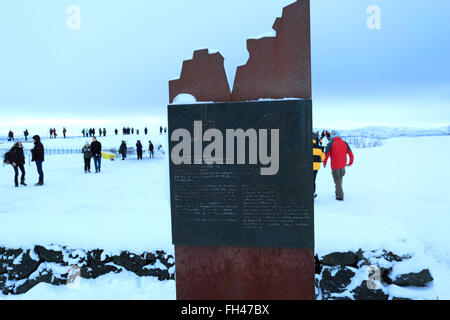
[[37, 153]]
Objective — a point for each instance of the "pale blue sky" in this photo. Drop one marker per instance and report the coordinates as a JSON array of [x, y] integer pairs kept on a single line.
[[119, 63]]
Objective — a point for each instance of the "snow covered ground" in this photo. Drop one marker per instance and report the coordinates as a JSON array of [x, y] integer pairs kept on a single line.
[[396, 198]]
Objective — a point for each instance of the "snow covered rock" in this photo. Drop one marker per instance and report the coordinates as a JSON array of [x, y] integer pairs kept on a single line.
[[23, 269], [363, 292], [370, 275], [414, 279], [49, 255], [340, 258], [336, 279]]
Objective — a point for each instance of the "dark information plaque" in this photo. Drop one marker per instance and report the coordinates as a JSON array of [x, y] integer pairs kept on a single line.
[[234, 196]]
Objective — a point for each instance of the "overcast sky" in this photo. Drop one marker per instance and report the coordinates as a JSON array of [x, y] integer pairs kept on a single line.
[[118, 64]]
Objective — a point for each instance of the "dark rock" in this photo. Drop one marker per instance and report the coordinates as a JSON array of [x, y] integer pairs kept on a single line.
[[420, 279], [26, 267], [101, 270], [95, 257], [361, 260], [364, 293], [86, 273], [45, 276], [340, 258], [129, 261], [398, 298], [157, 272], [150, 258], [50, 255], [392, 257], [11, 254], [337, 283], [165, 260]]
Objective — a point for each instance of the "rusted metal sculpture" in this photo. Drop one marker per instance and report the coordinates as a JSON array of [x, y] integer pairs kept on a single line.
[[278, 67], [203, 77]]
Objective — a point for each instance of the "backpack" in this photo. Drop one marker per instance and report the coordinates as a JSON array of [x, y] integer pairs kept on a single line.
[[7, 158]]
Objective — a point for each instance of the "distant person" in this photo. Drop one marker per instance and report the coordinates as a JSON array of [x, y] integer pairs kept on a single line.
[[160, 130], [64, 132], [54, 133], [139, 149], [132, 130], [37, 155], [10, 136], [26, 134], [145, 131], [96, 150], [116, 131], [87, 155], [338, 150], [83, 132], [318, 157], [123, 150], [100, 132], [51, 132], [151, 148], [17, 159], [137, 131], [104, 132], [165, 129]]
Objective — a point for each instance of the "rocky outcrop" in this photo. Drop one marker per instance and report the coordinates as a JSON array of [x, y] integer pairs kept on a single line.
[[22, 269], [365, 275]]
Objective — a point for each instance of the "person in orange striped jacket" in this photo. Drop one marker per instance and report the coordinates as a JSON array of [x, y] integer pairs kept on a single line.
[[318, 158]]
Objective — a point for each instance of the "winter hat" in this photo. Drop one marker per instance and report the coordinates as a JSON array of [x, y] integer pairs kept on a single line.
[[315, 135], [335, 134]]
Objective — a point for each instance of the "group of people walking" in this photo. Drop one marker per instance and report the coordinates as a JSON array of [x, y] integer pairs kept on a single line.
[[337, 150]]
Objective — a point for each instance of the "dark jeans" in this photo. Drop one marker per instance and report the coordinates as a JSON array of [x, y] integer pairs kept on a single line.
[[16, 177], [97, 163], [39, 170], [152, 154], [87, 164], [124, 155], [139, 155]]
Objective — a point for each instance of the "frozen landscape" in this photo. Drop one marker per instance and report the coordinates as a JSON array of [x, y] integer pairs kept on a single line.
[[396, 200]]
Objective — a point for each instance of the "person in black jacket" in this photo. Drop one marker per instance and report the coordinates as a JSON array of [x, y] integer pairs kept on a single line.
[[96, 150], [37, 155], [151, 148], [17, 159], [139, 149], [123, 150]]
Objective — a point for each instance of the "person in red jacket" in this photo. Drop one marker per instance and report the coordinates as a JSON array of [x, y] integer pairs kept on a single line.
[[338, 150]]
